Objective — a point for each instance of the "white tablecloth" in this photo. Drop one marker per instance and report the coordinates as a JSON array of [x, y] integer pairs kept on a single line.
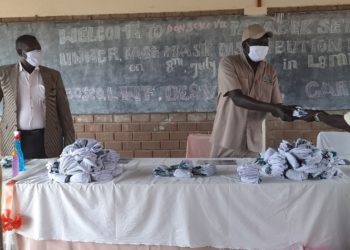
[[30, 165], [335, 140], [218, 211]]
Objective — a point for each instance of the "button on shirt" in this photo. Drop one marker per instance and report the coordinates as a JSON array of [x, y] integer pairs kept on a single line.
[[31, 100]]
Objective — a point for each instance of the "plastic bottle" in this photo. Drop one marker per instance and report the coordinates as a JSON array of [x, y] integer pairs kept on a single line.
[[18, 148], [15, 164]]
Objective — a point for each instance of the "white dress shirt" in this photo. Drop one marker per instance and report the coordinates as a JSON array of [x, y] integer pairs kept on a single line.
[[31, 100], [347, 118]]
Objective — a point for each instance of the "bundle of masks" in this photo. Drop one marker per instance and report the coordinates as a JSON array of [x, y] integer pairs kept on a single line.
[[298, 160], [299, 112], [85, 161], [6, 162], [185, 169]]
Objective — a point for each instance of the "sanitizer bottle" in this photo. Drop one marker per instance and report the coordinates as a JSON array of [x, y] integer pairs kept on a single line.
[[18, 148], [15, 163]]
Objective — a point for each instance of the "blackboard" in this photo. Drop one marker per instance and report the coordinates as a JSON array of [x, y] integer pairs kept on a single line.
[[170, 64]]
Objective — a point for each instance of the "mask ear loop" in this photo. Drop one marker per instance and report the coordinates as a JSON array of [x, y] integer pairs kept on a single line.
[[245, 47]]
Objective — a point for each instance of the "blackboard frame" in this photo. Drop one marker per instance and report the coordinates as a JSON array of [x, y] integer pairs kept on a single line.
[[123, 17]]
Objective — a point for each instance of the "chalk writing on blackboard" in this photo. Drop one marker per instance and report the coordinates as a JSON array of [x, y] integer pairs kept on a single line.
[[170, 64]]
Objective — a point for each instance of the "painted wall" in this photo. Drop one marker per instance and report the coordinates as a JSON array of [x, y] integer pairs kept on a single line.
[[20, 8]]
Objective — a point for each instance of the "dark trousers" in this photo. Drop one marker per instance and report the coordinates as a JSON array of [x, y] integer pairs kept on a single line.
[[32, 142]]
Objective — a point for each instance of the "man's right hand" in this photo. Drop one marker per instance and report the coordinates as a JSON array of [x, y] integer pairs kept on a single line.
[[284, 112], [310, 117]]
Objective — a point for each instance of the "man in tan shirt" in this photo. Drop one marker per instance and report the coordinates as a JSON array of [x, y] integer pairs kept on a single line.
[[247, 89]]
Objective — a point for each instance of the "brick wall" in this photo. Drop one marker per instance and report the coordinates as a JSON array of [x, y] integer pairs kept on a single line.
[[165, 134], [276, 130], [144, 135]]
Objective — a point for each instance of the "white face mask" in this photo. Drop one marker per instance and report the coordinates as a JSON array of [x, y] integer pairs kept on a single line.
[[258, 53], [34, 57]]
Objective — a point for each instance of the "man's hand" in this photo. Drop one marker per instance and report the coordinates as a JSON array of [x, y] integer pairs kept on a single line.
[[284, 112], [310, 117]]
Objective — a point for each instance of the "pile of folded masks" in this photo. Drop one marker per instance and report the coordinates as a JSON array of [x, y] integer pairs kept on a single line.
[[185, 169], [85, 161], [249, 173], [299, 160], [6, 162]]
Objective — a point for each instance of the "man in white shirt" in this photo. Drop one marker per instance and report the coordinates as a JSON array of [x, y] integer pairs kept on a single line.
[[35, 103]]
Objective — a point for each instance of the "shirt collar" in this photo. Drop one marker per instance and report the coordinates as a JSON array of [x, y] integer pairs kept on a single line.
[[20, 67], [244, 58]]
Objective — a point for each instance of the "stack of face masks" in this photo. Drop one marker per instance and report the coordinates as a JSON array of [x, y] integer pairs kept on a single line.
[[185, 169], [298, 160], [6, 162], [249, 173], [85, 161]]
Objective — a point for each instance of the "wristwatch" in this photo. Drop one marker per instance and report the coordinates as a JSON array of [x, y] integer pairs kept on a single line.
[[317, 119]]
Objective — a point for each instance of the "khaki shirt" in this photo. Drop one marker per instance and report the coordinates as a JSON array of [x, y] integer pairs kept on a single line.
[[235, 127]]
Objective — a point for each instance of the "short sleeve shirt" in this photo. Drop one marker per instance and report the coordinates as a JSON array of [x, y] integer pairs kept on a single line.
[[347, 118], [235, 127]]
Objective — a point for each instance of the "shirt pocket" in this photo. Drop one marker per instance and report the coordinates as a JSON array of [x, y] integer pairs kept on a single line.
[[244, 82], [40, 94], [265, 92]]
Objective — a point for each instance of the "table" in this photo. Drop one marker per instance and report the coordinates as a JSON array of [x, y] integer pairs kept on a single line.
[[198, 145], [336, 141], [137, 208], [30, 165]]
